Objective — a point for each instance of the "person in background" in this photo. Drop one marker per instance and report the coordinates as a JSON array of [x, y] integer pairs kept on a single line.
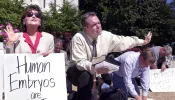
[[59, 49], [32, 39], [161, 54], [133, 64], [94, 43]]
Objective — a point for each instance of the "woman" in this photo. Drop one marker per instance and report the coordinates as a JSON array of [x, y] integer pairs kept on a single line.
[[31, 39]]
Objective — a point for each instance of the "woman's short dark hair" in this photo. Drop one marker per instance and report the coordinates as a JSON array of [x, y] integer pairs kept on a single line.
[[28, 9]]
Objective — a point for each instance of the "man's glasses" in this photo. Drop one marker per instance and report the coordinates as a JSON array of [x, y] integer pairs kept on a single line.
[[30, 14]]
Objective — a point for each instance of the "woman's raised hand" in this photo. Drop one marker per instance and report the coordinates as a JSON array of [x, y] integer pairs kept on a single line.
[[12, 37]]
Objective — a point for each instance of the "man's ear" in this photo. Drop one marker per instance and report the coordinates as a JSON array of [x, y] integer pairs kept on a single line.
[[141, 57], [85, 26]]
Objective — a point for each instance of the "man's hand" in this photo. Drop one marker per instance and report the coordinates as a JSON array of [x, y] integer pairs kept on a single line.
[[163, 67], [102, 70], [147, 38], [137, 97], [154, 67], [144, 97], [46, 54]]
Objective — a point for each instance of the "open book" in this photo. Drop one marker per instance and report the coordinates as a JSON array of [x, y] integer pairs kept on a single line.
[[110, 63]]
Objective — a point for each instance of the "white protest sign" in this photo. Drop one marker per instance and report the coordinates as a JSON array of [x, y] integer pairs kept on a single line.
[[34, 77], [1, 72], [162, 81]]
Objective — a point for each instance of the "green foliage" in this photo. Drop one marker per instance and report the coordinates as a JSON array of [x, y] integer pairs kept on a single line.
[[11, 11], [64, 20], [157, 17], [136, 17], [121, 17], [124, 17]]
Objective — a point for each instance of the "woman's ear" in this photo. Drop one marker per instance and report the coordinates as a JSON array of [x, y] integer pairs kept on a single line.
[[40, 23]]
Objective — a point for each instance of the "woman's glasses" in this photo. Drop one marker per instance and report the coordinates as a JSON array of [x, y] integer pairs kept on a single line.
[[30, 14]]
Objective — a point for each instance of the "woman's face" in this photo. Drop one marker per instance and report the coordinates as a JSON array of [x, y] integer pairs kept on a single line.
[[32, 18]]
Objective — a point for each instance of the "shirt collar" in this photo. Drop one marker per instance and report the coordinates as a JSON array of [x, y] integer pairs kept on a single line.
[[32, 46], [89, 38]]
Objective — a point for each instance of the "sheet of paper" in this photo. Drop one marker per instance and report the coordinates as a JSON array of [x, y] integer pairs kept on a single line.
[[162, 81], [105, 64], [1, 72], [34, 77]]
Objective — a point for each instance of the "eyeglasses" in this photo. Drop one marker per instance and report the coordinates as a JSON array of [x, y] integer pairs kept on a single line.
[[30, 14]]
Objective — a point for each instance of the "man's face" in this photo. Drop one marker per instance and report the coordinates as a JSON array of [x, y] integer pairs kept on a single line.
[[163, 52], [93, 27], [58, 47]]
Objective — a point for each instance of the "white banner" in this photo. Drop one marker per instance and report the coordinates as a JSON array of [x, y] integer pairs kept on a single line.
[[1, 72], [34, 77], [162, 81]]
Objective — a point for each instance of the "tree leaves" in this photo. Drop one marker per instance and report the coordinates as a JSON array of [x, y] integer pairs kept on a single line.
[[136, 17], [65, 19]]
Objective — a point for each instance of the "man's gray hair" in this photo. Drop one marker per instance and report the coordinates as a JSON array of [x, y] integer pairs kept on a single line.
[[58, 40], [85, 16], [168, 49]]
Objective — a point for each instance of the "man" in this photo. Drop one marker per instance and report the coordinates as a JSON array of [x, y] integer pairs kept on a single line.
[[92, 44], [58, 49], [161, 54], [133, 64]]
